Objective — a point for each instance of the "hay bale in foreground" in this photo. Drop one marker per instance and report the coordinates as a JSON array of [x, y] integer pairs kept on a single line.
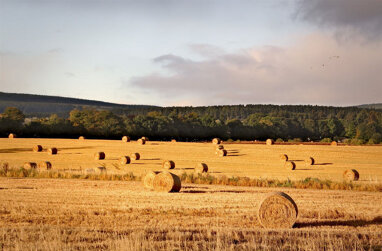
[[219, 147], [167, 182], [216, 141], [334, 143], [125, 139], [284, 157], [290, 165], [81, 138], [351, 175], [99, 156], [309, 161], [269, 142], [148, 180], [124, 160], [201, 168], [141, 141], [52, 151], [30, 165], [135, 156], [45, 165], [221, 152], [12, 136], [4, 166], [37, 148], [277, 210], [168, 164]]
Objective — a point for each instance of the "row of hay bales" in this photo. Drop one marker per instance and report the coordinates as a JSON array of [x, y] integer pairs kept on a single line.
[[39, 148], [270, 142]]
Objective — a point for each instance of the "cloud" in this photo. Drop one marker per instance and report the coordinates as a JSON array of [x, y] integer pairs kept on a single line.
[[362, 16], [316, 69]]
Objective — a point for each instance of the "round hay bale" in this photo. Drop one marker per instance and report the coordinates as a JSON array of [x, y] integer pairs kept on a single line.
[[201, 168], [269, 142], [284, 157], [124, 160], [135, 156], [45, 165], [100, 170], [148, 180], [221, 152], [334, 143], [141, 141], [125, 139], [30, 165], [52, 151], [99, 156], [12, 136], [173, 141], [81, 138], [219, 147], [145, 138], [4, 166], [167, 182], [309, 161], [290, 165], [168, 164], [216, 141], [37, 148], [351, 175], [277, 210]]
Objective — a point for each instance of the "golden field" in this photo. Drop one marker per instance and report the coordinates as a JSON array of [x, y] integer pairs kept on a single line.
[[249, 160], [76, 214]]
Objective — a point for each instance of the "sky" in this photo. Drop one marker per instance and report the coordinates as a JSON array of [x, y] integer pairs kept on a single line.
[[195, 52]]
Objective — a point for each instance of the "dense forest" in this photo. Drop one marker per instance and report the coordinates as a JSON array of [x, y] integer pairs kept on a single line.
[[237, 122]]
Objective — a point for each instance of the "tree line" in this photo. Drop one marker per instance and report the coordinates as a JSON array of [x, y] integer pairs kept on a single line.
[[293, 123]]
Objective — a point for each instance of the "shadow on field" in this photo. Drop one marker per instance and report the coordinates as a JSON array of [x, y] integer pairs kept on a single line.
[[235, 155], [186, 168], [352, 223], [152, 159], [296, 160], [308, 169], [229, 151], [218, 191], [323, 164], [15, 150]]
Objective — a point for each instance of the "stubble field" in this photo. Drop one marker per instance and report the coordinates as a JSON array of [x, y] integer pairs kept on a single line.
[[67, 214]]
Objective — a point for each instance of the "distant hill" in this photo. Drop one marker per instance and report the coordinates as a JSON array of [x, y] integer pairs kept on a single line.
[[372, 106], [41, 105]]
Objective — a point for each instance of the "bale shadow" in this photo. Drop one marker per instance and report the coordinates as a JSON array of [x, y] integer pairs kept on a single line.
[[235, 155], [296, 160], [307, 169], [71, 153], [152, 159], [323, 164], [186, 168], [15, 150], [229, 151], [352, 223], [185, 187], [154, 144], [194, 191], [3, 188]]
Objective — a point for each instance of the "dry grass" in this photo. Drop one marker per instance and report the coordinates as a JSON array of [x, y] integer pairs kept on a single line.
[[43, 214]]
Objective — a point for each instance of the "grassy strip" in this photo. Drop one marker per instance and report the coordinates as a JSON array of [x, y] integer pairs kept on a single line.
[[310, 183]]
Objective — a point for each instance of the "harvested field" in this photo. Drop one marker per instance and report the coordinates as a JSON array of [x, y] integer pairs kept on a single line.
[[250, 160], [52, 214]]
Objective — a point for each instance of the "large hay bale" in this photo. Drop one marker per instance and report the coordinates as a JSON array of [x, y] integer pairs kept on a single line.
[[221, 152], [81, 138], [12, 136], [334, 143], [4, 166], [45, 165], [277, 210], [168, 164], [52, 151], [290, 165], [125, 139], [37, 148], [145, 138], [269, 142], [351, 175], [99, 156], [216, 141], [148, 180], [124, 160], [201, 168], [141, 141], [284, 157], [219, 147], [167, 182], [30, 165], [135, 156], [309, 161]]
